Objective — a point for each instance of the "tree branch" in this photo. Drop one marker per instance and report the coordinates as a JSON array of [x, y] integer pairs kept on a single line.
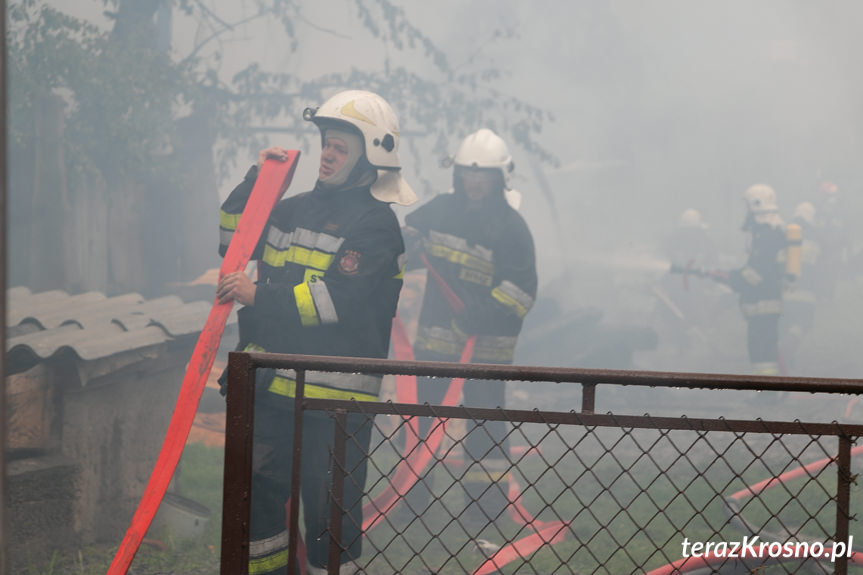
[[226, 27]]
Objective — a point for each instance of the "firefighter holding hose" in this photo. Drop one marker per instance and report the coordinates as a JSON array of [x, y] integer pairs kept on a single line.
[[329, 279]]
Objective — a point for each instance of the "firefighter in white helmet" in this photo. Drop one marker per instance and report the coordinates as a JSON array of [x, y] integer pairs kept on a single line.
[[760, 281], [479, 248], [329, 280]]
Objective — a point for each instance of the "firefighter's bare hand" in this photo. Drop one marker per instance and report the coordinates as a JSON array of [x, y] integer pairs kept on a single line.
[[274, 153], [236, 287]]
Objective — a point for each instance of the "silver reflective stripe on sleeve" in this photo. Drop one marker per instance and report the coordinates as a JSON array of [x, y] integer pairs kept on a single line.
[[323, 302], [513, 297], [763, 307], [225, 236], [495, 348], [460, 245], [457, 250], [279, 239], [751, 276], [317, 240]]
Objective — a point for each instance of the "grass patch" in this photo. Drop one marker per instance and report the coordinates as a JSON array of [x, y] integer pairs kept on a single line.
[[200, 479]]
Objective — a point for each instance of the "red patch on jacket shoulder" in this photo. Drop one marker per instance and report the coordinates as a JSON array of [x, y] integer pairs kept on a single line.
[[350, 263]]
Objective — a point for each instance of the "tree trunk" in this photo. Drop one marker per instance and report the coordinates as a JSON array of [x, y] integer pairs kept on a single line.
[[49, 200]]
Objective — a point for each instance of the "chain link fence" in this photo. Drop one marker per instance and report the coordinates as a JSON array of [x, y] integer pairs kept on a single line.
[[562, 492]]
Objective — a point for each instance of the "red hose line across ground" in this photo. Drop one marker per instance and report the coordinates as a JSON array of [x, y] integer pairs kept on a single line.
[[417, 455], [273, 179], [689, 564]]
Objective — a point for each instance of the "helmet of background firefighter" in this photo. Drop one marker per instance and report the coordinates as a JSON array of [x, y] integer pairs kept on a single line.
[[485, 149], [377, 123], [691, 218], [829, 192], [761, 205], [804, 212]]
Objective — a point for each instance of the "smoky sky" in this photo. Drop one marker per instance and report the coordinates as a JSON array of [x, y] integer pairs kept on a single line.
[[658, 107]]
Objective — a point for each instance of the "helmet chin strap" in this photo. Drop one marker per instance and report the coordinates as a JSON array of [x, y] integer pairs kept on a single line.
[[354, 143]]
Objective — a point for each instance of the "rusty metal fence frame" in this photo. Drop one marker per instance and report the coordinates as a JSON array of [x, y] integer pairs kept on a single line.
[[240, 425]]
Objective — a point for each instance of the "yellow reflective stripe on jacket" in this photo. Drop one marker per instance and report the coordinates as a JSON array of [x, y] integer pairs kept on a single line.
[[297, 255], [270, 545], [765, 368], [475, 276], [288, 388], [510, 302], [495, 348], [458, 257], [440, 340], [268, 563], [229, 221], [401, 262], [306, 305], [254, 347]]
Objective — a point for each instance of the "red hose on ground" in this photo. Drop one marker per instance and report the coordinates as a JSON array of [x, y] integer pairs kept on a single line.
[[787, 476], [417, 455], [688, 564], [517, 511], [414, 462], [553, 532], [273, 179]]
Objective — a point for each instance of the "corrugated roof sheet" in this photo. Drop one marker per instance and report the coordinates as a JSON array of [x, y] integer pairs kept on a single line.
[[92, 326]]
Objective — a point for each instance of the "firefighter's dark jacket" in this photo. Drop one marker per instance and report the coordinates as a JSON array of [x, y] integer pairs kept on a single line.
[[760, 281], [330, 272], [486, 256]]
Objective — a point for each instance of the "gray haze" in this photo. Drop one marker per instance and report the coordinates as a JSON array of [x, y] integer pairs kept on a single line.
[[658, 106]]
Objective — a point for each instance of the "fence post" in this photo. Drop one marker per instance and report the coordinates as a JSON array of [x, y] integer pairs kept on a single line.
[[294, 519], [588, 397], [843, 501], [237, 488], [338, 491]]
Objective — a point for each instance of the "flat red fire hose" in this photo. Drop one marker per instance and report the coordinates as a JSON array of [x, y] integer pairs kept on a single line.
[[273, 179], [543, 533], [416, 456], [414, 461], [711, 560]]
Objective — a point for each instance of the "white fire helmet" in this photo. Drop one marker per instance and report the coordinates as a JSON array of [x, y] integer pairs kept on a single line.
[[761, 199], [690, 218], [805, 212], [829, 193], [373, 117], [485, 149], [829, 189], [761, 203]]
